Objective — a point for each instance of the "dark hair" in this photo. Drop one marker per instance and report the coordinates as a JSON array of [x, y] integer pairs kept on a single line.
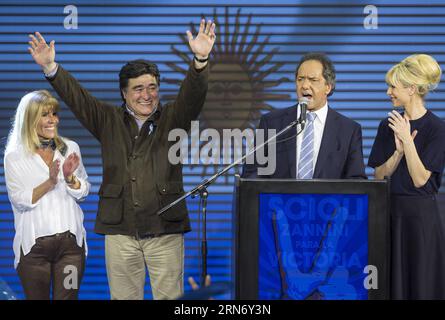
[[328, 67], [136, 68]]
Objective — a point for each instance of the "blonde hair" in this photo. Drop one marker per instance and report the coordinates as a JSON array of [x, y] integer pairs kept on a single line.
[[420, 70], [28, 114]]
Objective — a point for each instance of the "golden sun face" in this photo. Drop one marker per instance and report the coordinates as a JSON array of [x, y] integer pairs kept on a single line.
[[229, 98]]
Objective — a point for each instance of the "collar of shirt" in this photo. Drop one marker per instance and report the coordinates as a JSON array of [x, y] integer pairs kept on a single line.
[[140, 122]]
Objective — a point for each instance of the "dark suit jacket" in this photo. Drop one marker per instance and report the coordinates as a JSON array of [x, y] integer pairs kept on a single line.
[[340, 155]]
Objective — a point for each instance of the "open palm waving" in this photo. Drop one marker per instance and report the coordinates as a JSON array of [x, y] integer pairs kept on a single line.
[[203, 43], [43, 54]]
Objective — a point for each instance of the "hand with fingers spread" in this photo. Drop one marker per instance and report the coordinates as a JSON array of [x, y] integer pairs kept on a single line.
[[43, 54], [70, 165], [203, 43]]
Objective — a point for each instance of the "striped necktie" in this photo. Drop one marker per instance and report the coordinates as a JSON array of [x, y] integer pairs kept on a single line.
[[306, 163]]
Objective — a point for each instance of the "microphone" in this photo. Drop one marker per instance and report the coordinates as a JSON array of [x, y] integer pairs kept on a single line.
[[303, 102]]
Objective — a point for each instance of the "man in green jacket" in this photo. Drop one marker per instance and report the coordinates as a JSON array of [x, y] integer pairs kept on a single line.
[[138, 178]]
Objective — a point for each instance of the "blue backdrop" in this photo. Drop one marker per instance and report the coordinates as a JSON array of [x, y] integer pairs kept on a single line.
[[258, 46]]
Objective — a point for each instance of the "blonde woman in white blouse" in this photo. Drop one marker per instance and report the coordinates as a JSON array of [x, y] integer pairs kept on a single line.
[[45, 179]]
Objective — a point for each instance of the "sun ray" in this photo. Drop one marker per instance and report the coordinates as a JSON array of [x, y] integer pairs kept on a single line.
[[226, 32], [275, 83], [184, 38], [252, 43], [266, 73], [176, 68], [245, 34], [185, 57], [258, 64], [253, 61], [236, 33], [217, 47]]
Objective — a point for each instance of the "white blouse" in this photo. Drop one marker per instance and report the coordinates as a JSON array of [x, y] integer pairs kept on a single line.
[[56, 212]]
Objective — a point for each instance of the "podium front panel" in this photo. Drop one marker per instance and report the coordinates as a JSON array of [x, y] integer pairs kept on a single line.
[[311, 240]]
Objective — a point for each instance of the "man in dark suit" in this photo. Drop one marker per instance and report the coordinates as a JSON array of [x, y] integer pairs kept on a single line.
[[330, 146]]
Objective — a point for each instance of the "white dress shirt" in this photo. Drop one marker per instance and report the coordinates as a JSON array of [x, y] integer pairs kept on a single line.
[[56, 212], [319, 123]]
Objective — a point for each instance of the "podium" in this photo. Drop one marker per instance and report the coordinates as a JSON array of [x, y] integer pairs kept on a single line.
[[311, 239]]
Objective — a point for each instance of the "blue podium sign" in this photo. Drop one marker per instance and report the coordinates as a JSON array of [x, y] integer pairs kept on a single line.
[[313, 246]]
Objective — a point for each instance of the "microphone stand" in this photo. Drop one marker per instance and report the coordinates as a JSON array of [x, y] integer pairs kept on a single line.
[[201, 189]]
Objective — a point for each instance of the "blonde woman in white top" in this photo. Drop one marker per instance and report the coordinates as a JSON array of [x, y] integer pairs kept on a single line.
[[45, 179]]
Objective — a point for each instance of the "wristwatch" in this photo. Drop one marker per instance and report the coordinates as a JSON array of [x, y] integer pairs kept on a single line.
[[72, 181]]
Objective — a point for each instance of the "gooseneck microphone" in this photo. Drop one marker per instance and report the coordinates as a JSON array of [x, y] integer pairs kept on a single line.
[[303, 102]]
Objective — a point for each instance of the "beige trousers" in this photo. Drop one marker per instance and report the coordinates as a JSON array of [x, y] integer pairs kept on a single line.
[[127, 257]]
